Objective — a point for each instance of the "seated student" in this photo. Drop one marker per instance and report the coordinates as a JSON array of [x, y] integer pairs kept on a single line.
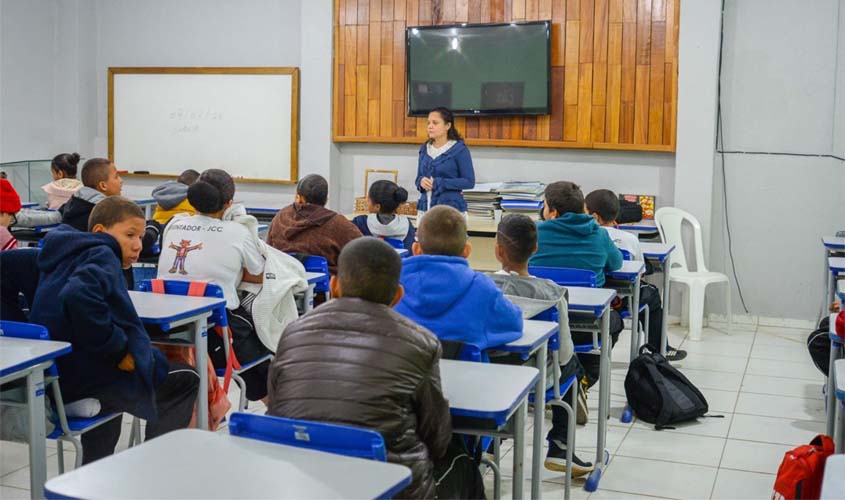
[[65, 183], [516, 241], [569, 237], [443, 294], [99, 178], [604, 206], [306, 226], [383, 198], [10, 204], [203, 247], [172, 197], [355, 361], [81, 298]]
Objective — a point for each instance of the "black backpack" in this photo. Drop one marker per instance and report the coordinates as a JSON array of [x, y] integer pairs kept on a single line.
[[659, 394]]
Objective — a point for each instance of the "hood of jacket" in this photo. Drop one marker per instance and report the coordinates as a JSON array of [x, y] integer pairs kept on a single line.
[[170, 194], [63, 186], [305, 216], [572, 224], [64, 243], [396, 228], [435, 283]]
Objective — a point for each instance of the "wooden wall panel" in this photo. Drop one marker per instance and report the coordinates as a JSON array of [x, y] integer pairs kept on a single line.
[[614, 79]]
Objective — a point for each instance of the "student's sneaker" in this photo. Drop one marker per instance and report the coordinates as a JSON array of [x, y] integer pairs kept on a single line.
[[556, 460], [582, 413], [673, 354]]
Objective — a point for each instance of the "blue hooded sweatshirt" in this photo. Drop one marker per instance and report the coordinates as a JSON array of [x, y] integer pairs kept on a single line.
[[446, 296], [452, 172], [578, 242], [82, 299]]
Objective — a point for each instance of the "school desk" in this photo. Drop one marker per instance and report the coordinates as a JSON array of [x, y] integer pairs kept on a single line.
[[833, 484], [193, 464], [27, 359], [660, 255]]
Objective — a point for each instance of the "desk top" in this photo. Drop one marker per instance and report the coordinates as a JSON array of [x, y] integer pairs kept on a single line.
[[833, 484], [645, 225], [534, 333], [594, 300], [833, 243], [254, 469], [29, 204], [314, 277], [163, 308], [629, 271], [262, 210], [657, 251], [145, 201], [836, 264], [18, 354], [485, 390]]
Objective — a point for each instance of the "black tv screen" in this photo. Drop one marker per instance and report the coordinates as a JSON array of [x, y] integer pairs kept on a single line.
[[480, 69]]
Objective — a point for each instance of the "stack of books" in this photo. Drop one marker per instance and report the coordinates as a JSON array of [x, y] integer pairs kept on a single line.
[[483, 199], [524, 197]]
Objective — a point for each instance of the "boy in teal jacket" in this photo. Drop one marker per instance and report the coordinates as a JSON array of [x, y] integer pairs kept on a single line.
[[569, 237]]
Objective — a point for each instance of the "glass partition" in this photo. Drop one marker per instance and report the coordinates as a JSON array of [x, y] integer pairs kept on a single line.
[[27, 177]]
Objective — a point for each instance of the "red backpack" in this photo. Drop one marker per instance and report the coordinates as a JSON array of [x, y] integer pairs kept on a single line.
[[801, 471]]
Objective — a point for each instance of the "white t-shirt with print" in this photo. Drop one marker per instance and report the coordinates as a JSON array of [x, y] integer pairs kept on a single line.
[[201, 248], [626, 241]]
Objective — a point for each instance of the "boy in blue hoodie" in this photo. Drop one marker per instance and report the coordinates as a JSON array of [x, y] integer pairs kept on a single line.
[[82, 298], [443, 294], [570, 237]]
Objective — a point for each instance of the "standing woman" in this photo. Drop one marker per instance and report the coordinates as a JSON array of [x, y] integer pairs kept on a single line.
[[445, 165]]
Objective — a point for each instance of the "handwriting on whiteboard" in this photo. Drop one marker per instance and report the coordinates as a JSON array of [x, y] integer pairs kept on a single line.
[[187, 120]]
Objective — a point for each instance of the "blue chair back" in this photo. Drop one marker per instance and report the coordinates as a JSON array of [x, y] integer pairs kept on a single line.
[[331, 438], [27, 331], [395, 243], [317, 264], [565, 276], [177, 287]]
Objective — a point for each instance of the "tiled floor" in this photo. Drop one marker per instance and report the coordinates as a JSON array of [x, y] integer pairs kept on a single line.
[[760, 379]]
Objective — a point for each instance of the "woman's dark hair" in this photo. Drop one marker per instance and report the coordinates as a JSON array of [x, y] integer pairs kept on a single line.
[[388, 195], [211, 191], [452, 134], [66, 163]]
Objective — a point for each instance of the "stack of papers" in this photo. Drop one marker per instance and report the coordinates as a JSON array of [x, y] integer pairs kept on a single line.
[[483, 199], [524, 197]]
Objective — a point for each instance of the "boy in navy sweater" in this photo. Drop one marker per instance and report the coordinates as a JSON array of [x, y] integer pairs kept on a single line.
[[443, 294], [569, 237], [82, 298]]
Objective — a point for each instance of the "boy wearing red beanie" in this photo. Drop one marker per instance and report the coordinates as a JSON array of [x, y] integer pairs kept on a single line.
[[10, 204]]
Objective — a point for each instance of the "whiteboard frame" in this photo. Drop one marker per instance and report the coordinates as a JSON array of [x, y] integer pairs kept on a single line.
[[294, 108]]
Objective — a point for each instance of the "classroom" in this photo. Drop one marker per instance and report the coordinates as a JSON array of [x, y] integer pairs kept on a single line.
[[344, 245]]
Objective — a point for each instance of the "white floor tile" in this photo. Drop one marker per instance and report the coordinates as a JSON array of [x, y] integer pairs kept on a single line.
[[9, 493], [716, 348], [601, 494], [736, 336], [713, 362], [753, 457], [709, 379], [20, 478], [741, 485], [780, 406], [713, 427], [796, 354], [773, 368], [781, 337], [774, 430], [13, 456], [547, 490], [783, 331], [657, 478], [720, 401], [672, 447], [779, 386]]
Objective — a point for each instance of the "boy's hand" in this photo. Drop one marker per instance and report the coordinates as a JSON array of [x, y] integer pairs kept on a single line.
[[127, 364], [834, 307]]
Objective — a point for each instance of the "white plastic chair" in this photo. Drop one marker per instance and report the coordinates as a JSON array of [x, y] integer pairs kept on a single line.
[[670, 222]]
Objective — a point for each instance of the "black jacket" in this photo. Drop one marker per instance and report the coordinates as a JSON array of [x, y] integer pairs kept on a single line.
[[359, 363]]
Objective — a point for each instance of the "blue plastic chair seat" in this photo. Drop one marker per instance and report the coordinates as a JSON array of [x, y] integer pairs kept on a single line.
[[81, 424], [550, 393], [221, 372]]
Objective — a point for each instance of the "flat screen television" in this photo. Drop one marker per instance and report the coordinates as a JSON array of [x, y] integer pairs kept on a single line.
[[479, 69]]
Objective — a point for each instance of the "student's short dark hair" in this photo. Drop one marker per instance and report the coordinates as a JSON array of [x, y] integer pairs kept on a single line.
[[314, 188], [603, 202], [211, 191], [114, 210], [188, 177], [95, 171], [565, 197], [388, 195], [443, 231], [369, 269], [517, 234], [65, 163]]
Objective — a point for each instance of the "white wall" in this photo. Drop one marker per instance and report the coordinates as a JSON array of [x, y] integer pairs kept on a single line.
[[778, 95]]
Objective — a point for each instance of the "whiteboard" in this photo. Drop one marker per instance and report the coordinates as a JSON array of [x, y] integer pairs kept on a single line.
[[243, 120]]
